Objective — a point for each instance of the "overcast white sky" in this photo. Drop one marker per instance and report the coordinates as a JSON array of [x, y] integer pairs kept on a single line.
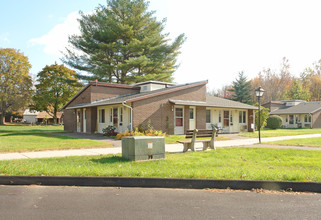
[[223, 37]]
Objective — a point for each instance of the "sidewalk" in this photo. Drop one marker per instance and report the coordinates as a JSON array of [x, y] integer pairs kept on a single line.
[[248, 142]]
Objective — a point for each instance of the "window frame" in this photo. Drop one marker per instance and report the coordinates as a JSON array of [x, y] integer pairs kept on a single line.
[[191, 113], [101, 116], [242, 117], [208, 116]]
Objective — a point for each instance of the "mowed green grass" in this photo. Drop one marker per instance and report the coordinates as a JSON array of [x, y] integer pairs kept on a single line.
[[281, 132], [224, 163], [38, 138], [309, 142]]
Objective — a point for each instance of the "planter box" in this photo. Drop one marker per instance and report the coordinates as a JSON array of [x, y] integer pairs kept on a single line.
[[143, 147]]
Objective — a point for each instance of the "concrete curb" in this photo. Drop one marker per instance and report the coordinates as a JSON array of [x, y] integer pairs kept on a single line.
[[161, 183]]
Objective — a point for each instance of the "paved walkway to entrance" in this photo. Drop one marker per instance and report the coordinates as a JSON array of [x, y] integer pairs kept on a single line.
[[242, 142]]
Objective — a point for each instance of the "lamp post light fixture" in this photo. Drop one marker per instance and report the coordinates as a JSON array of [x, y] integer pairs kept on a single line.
[[259, 93]]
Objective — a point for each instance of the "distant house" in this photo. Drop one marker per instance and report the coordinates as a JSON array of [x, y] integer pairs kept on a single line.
[[44, 117], [296, 113], [168, 107], [29, 116]]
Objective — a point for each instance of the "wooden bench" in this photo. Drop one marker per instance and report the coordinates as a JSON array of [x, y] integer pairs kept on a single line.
[[207, 143]]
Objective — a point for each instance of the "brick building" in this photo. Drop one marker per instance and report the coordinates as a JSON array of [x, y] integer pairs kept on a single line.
[[296, 113], [169, 107]]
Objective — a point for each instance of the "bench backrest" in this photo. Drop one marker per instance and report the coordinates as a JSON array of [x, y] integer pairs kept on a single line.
[[200, 133]]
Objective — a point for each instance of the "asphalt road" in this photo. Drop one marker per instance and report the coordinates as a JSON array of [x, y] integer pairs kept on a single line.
[[47, 202]]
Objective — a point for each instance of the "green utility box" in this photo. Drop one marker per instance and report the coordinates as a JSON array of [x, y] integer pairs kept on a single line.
[[143, 147]]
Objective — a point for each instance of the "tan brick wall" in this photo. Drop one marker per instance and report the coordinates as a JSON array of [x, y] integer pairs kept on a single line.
[[90, 94], [186, 118], [91, 120], [70, 120], [159, 111], [316, 120], [84, 97], [102, 92], [200, 117]]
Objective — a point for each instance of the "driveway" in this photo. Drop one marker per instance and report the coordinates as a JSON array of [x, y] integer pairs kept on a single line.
[[58, 202]]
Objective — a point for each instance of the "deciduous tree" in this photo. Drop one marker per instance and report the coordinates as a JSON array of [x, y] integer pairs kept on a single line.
[[123, 43], [15, 81], [311, 80], [274, 83], [56, 86], [264, 114]]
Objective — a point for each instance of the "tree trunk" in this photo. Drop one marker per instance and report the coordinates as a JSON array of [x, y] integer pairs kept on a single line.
[[55, 116], [2, 118]]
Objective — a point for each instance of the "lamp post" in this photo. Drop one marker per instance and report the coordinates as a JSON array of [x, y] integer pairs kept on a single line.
[[259, 93]]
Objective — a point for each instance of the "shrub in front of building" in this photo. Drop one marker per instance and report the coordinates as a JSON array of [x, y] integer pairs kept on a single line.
[[274, 122]]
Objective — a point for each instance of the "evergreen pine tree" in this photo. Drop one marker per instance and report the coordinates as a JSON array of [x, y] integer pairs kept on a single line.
[[242, 89], [123, 43], [297, 92]]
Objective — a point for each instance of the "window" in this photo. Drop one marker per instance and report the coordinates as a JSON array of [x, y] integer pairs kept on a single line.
[[307, 118], [226, 119], [231, 117], [115, 117], [101, 115], [179, 117], [191, 113], [78, 116], [208, 116], [111, 115], [220, 117], [291, 119], [242, 117], [121, 115]]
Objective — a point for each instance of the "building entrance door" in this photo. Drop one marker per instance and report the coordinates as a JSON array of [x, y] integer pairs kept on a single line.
[[84, 129], [78, 121], [179, 121], [226, 121]]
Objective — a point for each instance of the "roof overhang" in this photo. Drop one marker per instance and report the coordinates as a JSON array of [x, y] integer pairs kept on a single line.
[[205, 104]]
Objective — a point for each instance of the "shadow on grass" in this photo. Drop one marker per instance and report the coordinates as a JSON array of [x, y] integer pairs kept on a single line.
[[110, 160], [41, 134], [31, 130]]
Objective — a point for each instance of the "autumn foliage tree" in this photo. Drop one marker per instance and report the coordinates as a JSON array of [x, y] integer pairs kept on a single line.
[[15, 81], [57, 84], [123, 43], [274, 83], [311, 80]]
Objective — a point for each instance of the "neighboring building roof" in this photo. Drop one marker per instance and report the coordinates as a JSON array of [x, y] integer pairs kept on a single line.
[[213, 101], [302, 108], [153, 82], [46, 115], [29, 112], [138, 96]]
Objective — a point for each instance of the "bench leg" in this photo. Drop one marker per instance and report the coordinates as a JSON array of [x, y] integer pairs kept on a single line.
[[208, 145], [188, 146]]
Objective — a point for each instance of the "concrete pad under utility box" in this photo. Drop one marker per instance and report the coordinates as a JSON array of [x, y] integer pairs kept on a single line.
[[143, 147]]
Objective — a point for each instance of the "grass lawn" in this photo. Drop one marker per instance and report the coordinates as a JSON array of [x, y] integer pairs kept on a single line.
[[224, 163], [282, 132], [36, 138], [172, 139], [310, 142]]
